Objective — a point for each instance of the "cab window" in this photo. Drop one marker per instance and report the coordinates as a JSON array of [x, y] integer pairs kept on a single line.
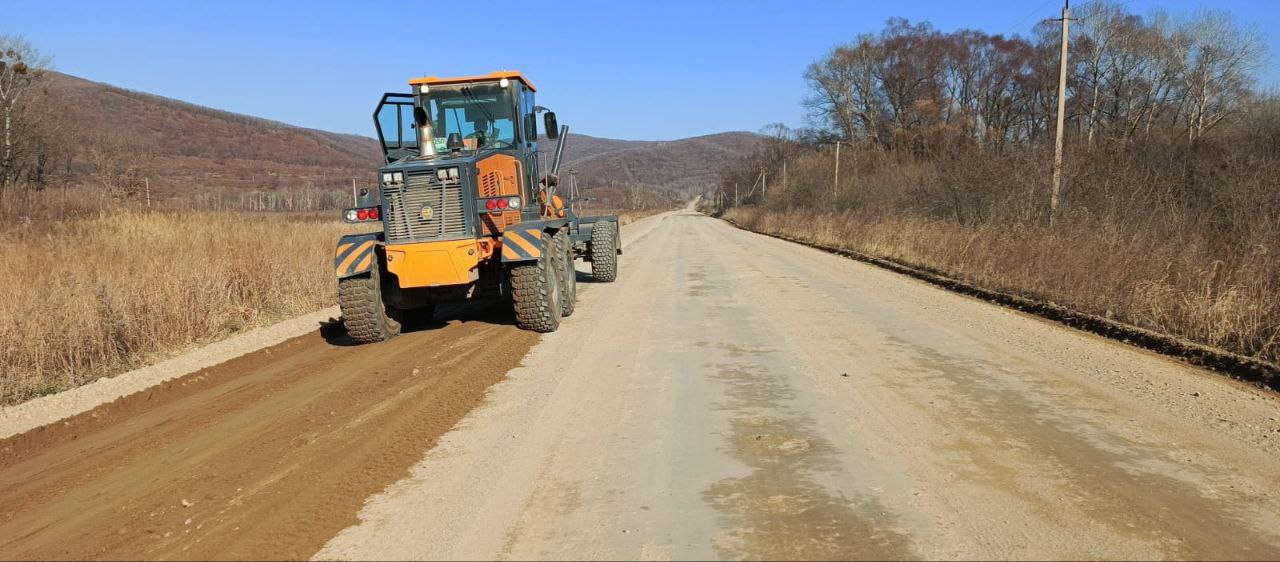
[[480, 114]]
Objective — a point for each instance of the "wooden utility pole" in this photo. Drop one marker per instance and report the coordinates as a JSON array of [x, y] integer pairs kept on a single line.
[[854, 180], [1062, 106], [574, 194], [835, 184]]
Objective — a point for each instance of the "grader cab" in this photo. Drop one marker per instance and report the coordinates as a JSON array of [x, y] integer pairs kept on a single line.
[[464, 212]]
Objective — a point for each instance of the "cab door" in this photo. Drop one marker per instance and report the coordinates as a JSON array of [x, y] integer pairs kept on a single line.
[[393, 118], [529, 120]]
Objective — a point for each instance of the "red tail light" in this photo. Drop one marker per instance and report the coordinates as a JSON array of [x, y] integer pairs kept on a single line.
[[373, 214], [362, 214], [502, 203], [491, 204]]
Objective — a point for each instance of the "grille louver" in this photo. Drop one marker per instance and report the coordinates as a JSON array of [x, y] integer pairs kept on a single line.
[[402, 206]]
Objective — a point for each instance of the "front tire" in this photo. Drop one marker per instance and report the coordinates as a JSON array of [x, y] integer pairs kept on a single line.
[[604, 251], [536, 294], [366, 317]]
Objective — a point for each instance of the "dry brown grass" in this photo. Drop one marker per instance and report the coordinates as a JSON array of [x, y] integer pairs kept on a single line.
[[1177, 286], [96, 295], [626, 216]]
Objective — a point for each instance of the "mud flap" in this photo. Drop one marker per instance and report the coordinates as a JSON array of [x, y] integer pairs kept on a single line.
[[355, 255], [522, 244]]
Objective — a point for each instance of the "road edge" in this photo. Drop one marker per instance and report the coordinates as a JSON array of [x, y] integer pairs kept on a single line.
[[1247, 369], [44, 410]]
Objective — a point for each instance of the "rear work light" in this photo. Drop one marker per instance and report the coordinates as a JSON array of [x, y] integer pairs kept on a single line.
[[514, 202]]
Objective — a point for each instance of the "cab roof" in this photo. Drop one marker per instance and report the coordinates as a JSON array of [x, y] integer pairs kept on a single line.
[[510, 74]]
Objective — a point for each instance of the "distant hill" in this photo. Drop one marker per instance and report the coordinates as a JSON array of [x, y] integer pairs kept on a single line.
[[192, 149], [188, 147], [668, 165]]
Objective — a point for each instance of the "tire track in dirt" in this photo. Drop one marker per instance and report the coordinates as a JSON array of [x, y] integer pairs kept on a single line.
[[266, 456]]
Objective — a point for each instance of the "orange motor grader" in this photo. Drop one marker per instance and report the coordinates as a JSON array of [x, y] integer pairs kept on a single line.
[[463, 211]]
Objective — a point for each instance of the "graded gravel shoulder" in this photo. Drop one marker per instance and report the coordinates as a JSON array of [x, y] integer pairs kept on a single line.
[[261, 457], [44, 410]]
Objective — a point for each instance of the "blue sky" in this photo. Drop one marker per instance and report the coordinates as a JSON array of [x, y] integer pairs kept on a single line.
[[644, 70]]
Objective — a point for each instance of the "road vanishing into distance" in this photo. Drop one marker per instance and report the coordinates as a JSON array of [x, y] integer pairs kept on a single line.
[[730, 396]]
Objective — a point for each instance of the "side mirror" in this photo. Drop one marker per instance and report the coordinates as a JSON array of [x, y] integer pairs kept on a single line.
[[553, 129]]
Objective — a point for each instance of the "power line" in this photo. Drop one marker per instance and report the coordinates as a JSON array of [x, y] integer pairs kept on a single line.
[[1030, 14]]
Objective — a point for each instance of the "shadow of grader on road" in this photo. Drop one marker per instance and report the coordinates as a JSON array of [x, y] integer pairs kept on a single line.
[[487, 311]]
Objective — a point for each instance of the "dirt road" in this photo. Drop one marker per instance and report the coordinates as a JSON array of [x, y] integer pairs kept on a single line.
[[265, 456], [731, 396]]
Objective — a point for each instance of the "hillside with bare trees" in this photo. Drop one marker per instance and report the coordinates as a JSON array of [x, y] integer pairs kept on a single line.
[[125, 143], [1170, 208]]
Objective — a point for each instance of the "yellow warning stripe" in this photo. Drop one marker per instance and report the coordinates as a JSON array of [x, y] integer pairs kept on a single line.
[[528, 247], [346, 264], [509, 253], [343, 248], [364, 263]]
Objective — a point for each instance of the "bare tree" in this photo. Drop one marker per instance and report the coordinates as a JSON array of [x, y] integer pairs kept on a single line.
[[120, 166], [21, 66], [1219, 74], [1099, 24], [632, 194], [846, 93]]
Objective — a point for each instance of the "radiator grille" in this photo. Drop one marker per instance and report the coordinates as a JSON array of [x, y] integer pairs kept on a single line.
[[403, 206]]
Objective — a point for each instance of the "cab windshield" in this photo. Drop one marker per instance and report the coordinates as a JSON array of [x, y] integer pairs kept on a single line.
[[480, 114]]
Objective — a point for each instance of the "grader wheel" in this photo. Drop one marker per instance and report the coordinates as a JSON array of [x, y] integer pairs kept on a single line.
[[604, 252], [568, 275], [536, 292], [367, 319]]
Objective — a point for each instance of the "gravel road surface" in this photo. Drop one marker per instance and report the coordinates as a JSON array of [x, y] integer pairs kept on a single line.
[[731, 396], [737, 396]]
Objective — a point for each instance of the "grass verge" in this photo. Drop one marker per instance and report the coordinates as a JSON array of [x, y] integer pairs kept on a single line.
[[98, 295]]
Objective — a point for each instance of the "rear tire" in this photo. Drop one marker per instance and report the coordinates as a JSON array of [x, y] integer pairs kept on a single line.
[[568, 275], [367, 319], [535, 292], [604, 251]]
